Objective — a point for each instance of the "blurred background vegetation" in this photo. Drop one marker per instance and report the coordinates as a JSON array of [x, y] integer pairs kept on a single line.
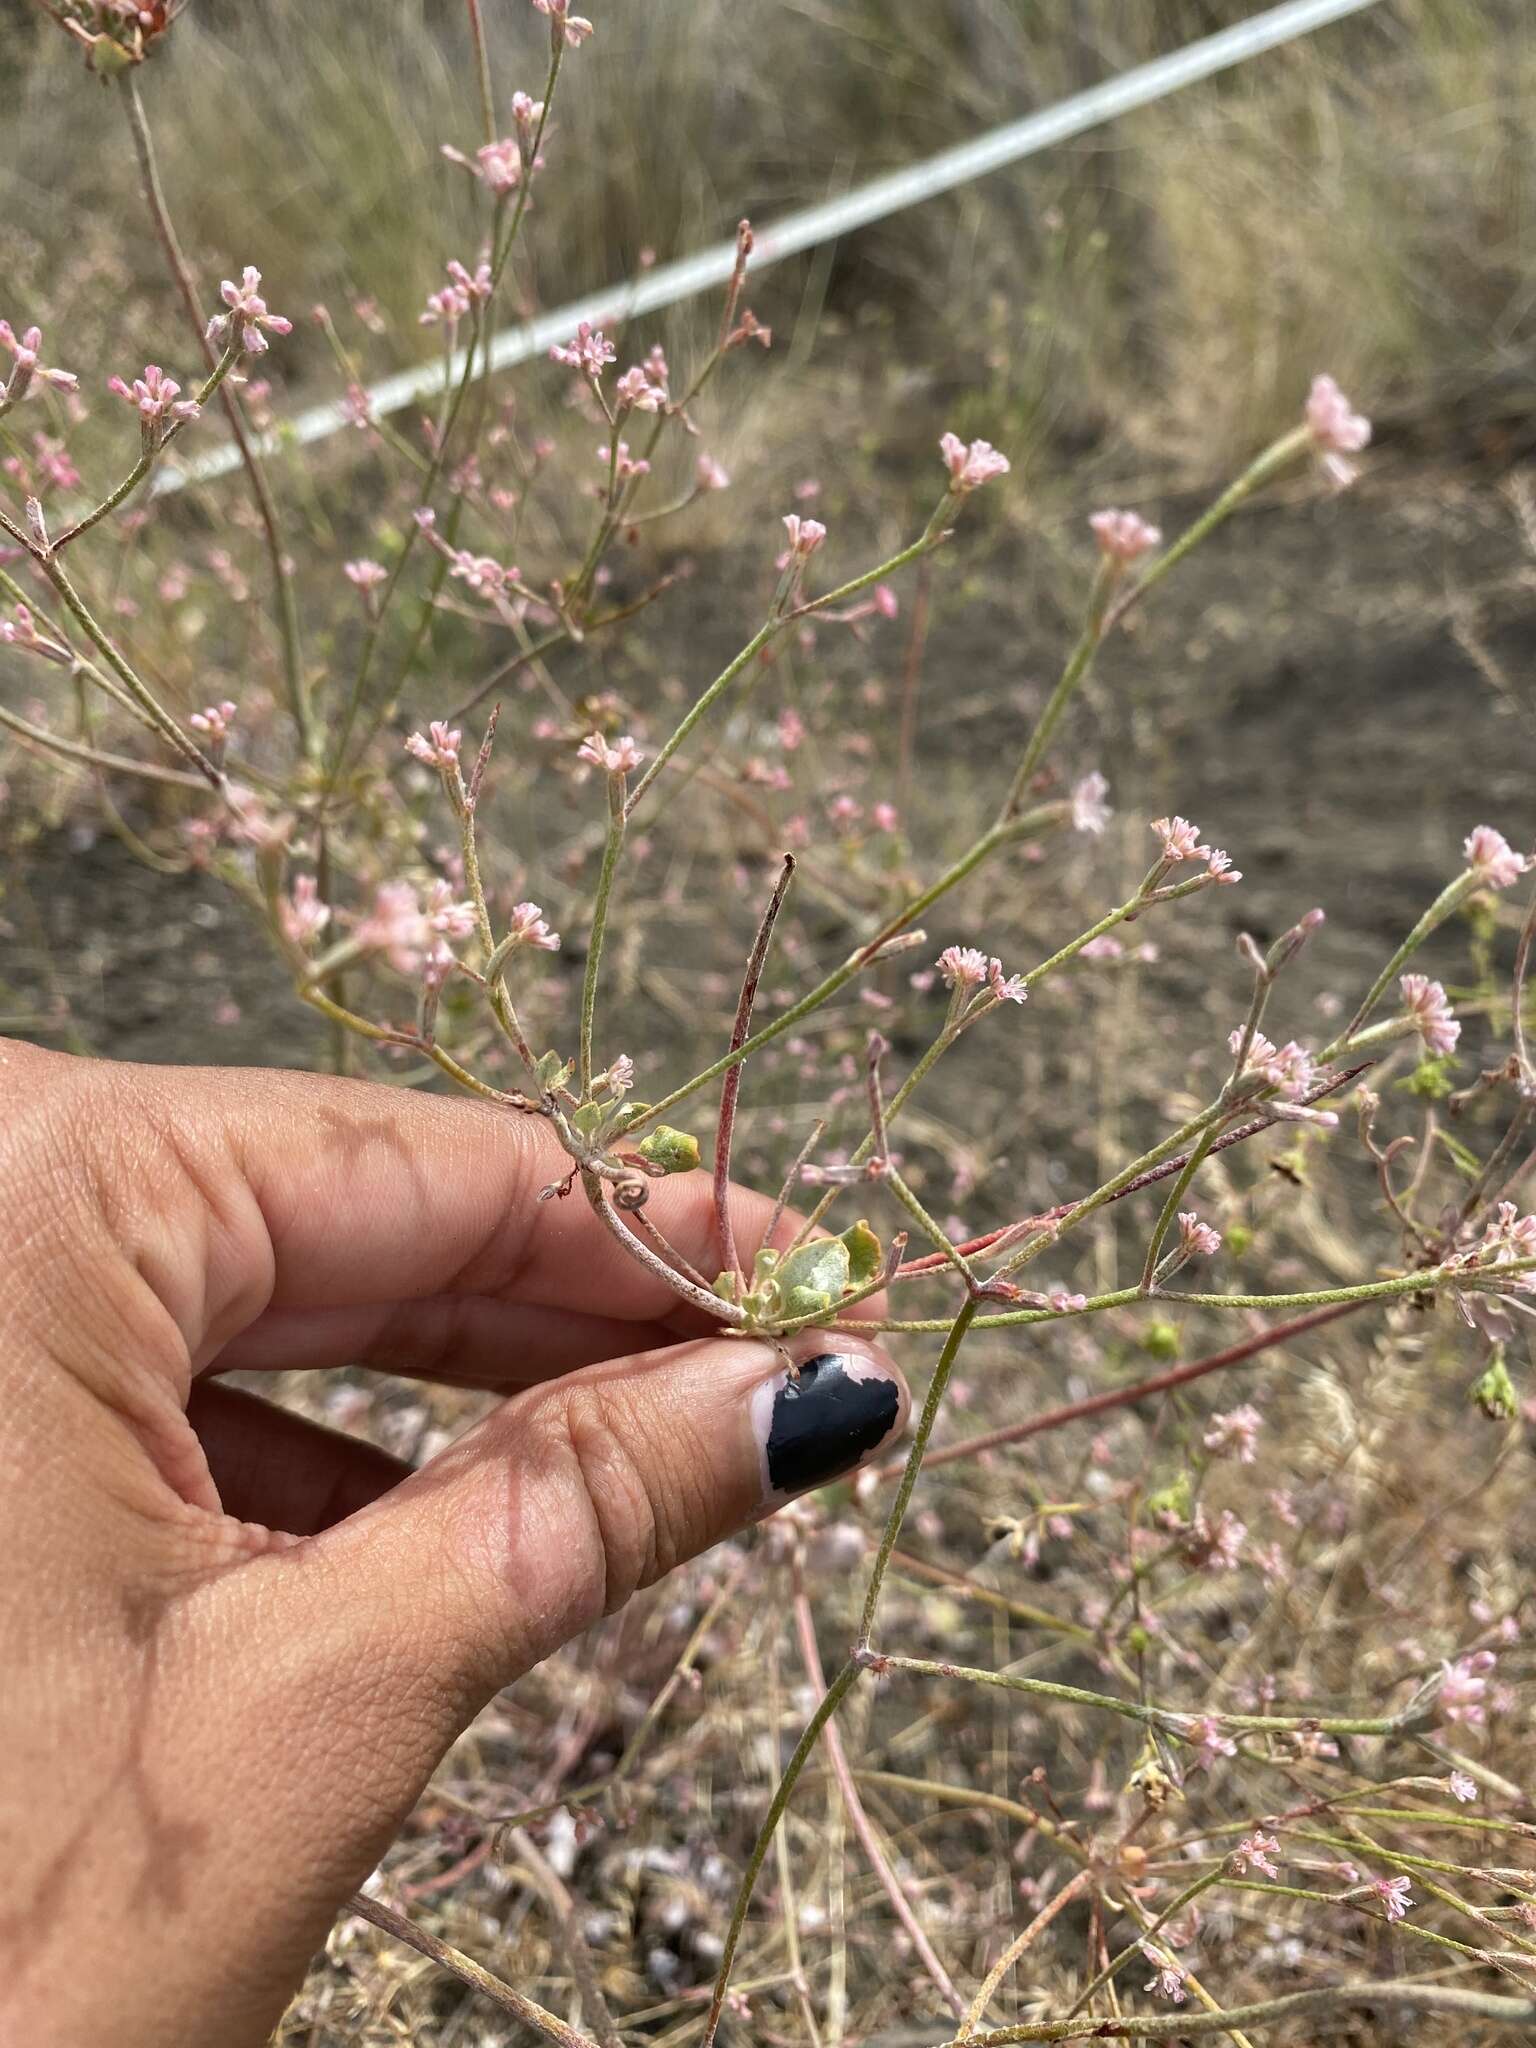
[[1365, 197]]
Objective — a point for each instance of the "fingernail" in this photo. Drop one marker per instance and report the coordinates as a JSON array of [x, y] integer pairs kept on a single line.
[[825, 1416]]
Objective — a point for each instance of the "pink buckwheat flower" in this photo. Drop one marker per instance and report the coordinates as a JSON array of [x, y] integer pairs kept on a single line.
[[574, 27], [247, 315], [963, 966], [396, 928], [20, 630], [1426, 1003], [1288, 1068], [444, 308], [1168, 1979], [1124, 537], [641, 386], [159, 402], [620, 758], [1257, 1849], [1008, 988], [1337, 430], [1234, 1430], [1180, 839], [214, 721], [441, 750], [1215, 1546], [301, 913], [498, 165], [1206, 1734], [1090, 813], [1462, 1787], [454, 920], [366, 574], [805, 536], [1197, 1240], [624, 464], [28, 367], [589, 351], [709, 476], [971, 467], [529, 927], [1492, 859], [1394, 1894], [1464, 1686]]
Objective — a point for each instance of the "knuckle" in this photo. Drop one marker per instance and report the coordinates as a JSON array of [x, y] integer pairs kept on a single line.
[[607, 1465]]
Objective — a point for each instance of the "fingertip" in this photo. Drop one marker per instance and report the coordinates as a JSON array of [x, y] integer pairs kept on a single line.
[[838, 1404]]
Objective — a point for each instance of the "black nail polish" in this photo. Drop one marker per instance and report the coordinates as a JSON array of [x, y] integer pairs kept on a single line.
[[825, 1417]]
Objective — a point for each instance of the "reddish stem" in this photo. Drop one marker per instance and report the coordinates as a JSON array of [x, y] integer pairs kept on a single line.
[[805, 1629], [730, 1087], [1122, 1397]]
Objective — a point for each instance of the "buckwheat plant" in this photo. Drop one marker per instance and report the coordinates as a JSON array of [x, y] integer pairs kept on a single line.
[[1229, 1812]]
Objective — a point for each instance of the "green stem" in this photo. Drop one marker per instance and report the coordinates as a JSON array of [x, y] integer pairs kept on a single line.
[[831, 1700], [617, 814], [930, 1415]]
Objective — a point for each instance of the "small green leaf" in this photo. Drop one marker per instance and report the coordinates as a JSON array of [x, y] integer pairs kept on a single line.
[[1174, 1501], [673, 1151], [811, 1279], [1495, 1393], [587, 1118], [1431, 1080], [864, 1253], [552, 1071]]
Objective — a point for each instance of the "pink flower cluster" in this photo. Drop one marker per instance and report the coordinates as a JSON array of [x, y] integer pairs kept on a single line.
[[644, 387], [805, 536], [1259, 1850], [1427, 1004], [529, 926], [1090, 812], [498, 165], [301, 913], [1289, 1069], [967, 967], [575, 28], [971, 467], [413, 935], [160, 404], [1124, 537], [622, 757], [20, 630], [1464, 1687], [28, 366], [1234, 1432], [247, 316], [464, 290], [1337, 430], [214, 721], [1492, 859], [1197, 1240], [589, 351], [441, 750], [1180, 841]]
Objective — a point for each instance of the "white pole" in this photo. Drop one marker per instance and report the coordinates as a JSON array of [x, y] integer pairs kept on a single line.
[[873, 201]]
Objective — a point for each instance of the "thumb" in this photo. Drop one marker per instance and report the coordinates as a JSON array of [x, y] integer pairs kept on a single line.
[[574, 1495], [336, 1670]]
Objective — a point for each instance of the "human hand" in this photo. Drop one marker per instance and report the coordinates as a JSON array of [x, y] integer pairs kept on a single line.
[[237, 1644]]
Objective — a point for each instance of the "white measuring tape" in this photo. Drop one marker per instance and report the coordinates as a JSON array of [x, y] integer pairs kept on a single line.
[[874, 201]]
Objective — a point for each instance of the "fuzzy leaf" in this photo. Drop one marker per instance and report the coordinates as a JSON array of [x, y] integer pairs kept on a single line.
[[864, 1252], [811, 1279]]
